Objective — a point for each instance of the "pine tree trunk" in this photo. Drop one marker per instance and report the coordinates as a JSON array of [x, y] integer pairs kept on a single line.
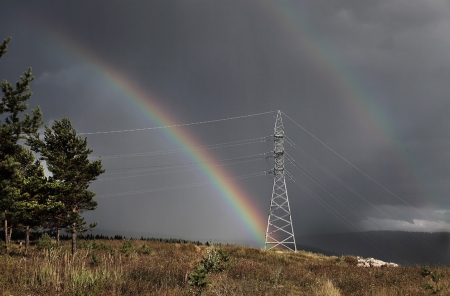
[[10, 234], [74, 240], [5, 227], [58, 231], [27, 239], [6, 234]]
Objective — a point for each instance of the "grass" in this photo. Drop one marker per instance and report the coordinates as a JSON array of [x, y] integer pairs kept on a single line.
[[134, 267]]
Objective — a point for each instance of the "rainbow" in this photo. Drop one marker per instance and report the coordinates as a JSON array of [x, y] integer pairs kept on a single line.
[[357, 99], [235, 196], [148, 105], [307, 43]]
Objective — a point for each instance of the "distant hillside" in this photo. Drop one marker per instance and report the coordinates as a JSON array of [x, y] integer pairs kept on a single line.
[[406, 248]]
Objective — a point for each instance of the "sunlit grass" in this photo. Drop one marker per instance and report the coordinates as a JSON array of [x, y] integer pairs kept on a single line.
[[134, 267]]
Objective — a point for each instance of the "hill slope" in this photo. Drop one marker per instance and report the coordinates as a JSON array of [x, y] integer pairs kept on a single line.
[[137, 267]]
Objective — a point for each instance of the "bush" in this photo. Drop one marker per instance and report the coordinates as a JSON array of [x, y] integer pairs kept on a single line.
[[107, 247], [44, 242], [95, 259], [146, 250], [435, 276], [216, 260], [126, 248], [198, 276]]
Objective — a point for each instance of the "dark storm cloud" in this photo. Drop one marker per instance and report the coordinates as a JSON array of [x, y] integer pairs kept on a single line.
[[205, 60]]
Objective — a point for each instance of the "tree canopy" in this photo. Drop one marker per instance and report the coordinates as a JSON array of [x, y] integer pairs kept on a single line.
[[15, 125], [28, 198], [66, 155]]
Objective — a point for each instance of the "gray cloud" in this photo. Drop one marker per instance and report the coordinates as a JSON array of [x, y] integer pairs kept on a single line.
[[369, 79]]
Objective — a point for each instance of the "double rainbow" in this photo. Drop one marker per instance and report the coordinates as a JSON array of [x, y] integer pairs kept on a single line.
[[149, 105]]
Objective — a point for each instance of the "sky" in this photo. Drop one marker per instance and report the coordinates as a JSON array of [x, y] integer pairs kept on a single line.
[[369, 79]]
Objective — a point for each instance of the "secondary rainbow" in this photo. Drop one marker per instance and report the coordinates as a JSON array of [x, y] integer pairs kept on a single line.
[[308, 43], [356, 97]]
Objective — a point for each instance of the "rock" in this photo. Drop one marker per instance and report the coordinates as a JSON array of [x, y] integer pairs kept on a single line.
[[371, 262]]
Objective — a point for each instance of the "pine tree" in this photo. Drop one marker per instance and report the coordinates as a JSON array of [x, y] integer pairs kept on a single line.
[[4, 47], [66, 155], [30, 209], [55, 214], [15, 125]]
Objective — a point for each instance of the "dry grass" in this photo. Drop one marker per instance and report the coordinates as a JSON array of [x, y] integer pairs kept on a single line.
[[135, 267], [325, 287]]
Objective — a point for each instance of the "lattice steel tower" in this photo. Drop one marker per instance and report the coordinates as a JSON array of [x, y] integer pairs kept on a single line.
[[280, 232]]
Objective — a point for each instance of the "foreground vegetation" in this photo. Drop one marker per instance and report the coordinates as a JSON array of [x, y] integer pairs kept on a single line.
[[28, 198], [137, 267]]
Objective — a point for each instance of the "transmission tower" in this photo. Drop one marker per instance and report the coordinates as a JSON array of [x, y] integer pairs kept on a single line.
[[280, 232]]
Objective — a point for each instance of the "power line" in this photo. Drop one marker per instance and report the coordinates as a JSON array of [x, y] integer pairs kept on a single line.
[[293, 162], [310, 158], [204, 147], [335, 213], [184, 185], [355, 167], [176, 125], [178, 171], [340, 200], [161, 167], [323, 186]]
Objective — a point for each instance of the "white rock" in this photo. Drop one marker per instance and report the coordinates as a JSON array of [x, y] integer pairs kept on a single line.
[[371, 262]]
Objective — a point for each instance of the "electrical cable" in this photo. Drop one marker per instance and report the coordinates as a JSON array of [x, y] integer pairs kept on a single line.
[[355, 167], [335, 213], [176, 125], [184, 185], [153, 168], [178, 171], [310, 158], [204, 147], [341, 201], [372, 205]]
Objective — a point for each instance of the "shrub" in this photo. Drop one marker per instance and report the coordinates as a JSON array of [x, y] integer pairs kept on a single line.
[[426, 270], [44, 242], [198, 276], [146, 250], [435, 276], [95, 259], [216, 260], [107, 247], [126, 248]]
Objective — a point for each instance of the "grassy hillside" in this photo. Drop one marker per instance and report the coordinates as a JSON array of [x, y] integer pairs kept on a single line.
[[134, 267]]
